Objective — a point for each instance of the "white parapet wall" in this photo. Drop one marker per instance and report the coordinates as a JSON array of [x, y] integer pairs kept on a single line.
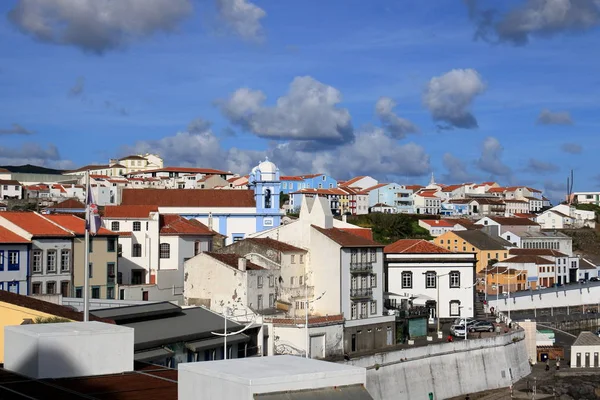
[[243, 378], [448, 369], [562, 296], [65, 350]]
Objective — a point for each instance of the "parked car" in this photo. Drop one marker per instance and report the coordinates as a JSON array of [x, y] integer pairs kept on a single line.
[[595, 279], [460, 321], [457, 330], [582, 280], [482, 326]]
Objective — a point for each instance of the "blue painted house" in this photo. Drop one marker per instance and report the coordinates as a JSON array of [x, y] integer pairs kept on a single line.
[[14, 262], [393, 195], [291, 184]]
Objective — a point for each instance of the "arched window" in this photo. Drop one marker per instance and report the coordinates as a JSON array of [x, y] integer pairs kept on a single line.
[[165, 250]]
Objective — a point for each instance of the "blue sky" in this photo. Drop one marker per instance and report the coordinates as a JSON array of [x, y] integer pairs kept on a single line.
[[397, 90]]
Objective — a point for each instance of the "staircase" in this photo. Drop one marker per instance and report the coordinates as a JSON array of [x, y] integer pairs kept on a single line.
[[479, 311]]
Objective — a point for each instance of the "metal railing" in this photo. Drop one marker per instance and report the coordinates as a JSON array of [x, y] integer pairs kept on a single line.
[[361, 293], [360, 266]]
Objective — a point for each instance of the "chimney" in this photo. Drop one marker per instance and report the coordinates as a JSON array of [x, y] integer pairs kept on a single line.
[[242, 263], [345, 218]]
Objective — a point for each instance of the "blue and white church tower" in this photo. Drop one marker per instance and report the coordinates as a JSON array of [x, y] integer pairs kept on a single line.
[[265, 181]]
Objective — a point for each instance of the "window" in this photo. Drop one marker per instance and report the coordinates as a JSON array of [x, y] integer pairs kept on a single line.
[[442, 241], [373, 255], [271, 281], [36, 262], [373, 307], [237, 237], [489, 255], [111, 245], [407, 280], [259, 303], [293, 257], [79, 292], [114, 226], [197, 247], [137, 226], [36, 288], [13, 260], [430, 280], [110, 292], [50, 287], [454, 279], [95, 292], [91, 244], [374, 280], [165, 250], [353, 311], [454, 308], [292, 281], [301, 258], [136, 250], [259, 281], [65, 260], [110, 272], [51, 262], [91, 271], [353, 255], [271, 300], [363, 310]]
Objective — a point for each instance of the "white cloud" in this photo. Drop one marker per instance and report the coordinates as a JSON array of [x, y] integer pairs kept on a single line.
[[449, 97], [373, 153], [35, 154], [490, 160], [97, 25], [307, 112], [548, 117], [242, 17], [395, 126]]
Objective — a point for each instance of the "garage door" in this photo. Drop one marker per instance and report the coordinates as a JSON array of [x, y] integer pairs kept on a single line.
[[317, 346]]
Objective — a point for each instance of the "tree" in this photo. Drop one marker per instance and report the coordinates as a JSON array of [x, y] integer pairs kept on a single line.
[[283, 198], [50, 320]]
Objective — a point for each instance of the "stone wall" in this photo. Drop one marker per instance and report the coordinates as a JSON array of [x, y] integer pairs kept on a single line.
[[448, 369]]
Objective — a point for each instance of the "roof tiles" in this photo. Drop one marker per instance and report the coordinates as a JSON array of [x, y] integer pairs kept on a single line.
[[75, 224], [189, 197], [133, 211], [175, 225], [232, 260], [8, 236], [346, 239], [276, 245], [35, 224], [414, 246]]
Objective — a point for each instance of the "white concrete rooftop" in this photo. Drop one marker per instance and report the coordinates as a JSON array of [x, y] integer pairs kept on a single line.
[[68, 329]]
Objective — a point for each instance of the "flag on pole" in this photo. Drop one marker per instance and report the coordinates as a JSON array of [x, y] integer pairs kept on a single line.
[[92, 217]]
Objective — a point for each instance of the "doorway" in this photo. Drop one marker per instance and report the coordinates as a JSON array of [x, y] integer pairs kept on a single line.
[[145, 295], [353, 347], [389, 336], [136, 277]]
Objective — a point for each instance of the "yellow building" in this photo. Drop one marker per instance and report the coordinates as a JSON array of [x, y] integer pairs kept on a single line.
[[488, 248], [502, 279], [16, 309]]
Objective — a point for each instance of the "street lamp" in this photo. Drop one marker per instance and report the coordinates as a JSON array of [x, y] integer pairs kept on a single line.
[[437, 302]]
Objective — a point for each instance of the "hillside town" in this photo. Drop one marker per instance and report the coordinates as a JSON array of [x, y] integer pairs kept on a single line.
[[280, 255]]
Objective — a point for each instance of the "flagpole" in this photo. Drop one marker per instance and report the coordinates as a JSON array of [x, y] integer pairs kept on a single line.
[[86, 259]]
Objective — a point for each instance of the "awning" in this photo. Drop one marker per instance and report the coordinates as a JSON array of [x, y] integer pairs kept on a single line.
[[354, 392], [216, 342], [150, 355]]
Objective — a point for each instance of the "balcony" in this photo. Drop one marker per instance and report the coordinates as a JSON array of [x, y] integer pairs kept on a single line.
[[361, 266], [361, 293]]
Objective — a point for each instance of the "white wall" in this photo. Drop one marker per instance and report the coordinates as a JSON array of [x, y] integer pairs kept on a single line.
[[582, 350], [19, 276], [290, 339], [464, 293]]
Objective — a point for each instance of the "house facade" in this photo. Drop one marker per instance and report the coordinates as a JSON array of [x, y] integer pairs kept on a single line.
[[351, 260], [10, 189], [414, 270], [393, 194], [14, 262], [427, 202], [541, 240]]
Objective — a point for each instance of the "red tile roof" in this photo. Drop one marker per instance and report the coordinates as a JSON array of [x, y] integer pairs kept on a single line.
[[497, 190], [367, 233], [414, 187], [528, 259], [7, 236], [208, 171], [125, 234], [537, 252], [75, 224], [414, 246], [438, 222], [352, 181], [291, 178], [232, 260], [346, 239], [512, 221], [426, 193], [275, 244], [141, 212], [522, 215], [312, 320], [189, 197], [175, 225], [9, 182], [380, 185], [46, 307], [69, 204], [451, 188], [35, 224]]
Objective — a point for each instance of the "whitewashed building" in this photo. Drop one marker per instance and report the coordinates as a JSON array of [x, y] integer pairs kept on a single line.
[[585, 352], [554, 219], [346, 266], [414, 270], [541, 240], [10, 189]]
